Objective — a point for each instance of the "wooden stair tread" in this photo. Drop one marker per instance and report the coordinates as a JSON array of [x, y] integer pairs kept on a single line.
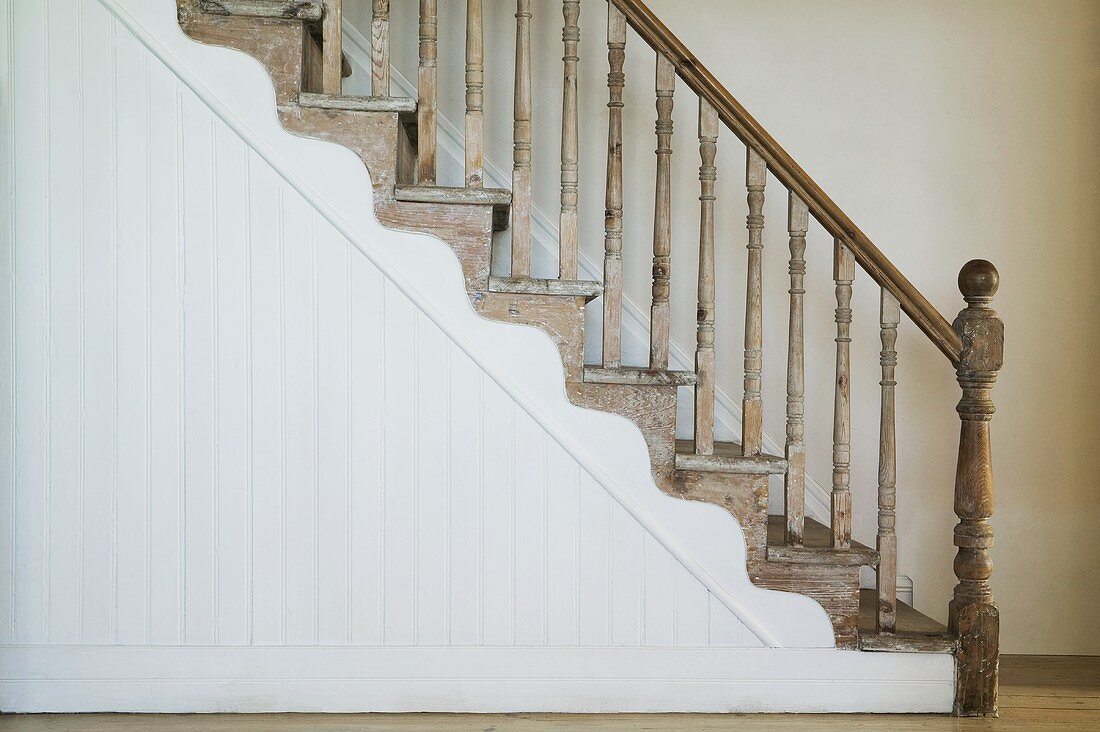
[[727, 458], [457, 195], [499, 198], [816, 548], [308, 10], [916, 632], [357, 104], [638, 376], [588, 289]]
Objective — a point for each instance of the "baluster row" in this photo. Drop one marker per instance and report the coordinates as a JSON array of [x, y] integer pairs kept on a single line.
[[755, 179]]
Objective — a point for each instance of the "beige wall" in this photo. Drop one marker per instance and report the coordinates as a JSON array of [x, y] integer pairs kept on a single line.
[[947, 131]]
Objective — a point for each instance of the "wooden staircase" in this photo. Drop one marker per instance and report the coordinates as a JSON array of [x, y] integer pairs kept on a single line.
[[299, 43]]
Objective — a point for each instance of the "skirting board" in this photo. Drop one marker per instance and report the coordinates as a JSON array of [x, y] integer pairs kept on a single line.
[[468, 679]]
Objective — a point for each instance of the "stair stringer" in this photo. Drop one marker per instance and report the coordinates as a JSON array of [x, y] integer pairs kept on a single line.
[[522, 361], [524, 365]]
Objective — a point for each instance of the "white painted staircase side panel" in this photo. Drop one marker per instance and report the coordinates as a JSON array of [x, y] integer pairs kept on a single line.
[[251, 436]]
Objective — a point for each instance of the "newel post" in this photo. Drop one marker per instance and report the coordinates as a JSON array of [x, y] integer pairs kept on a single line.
[[974, 618]]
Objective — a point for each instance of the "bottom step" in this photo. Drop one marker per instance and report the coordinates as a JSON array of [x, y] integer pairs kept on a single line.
[[916, 632]]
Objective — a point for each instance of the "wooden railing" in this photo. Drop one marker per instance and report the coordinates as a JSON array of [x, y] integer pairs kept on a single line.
[[973, 343]]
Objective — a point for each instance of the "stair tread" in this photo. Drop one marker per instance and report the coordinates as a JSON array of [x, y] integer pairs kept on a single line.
[[916, 632], [638, 376], [357, 104], [309, 10], [449, 194], [727, 458], [817, 546], [588, 289]]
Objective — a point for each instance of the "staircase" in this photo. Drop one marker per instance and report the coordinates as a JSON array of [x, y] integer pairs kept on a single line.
[[299, 42]]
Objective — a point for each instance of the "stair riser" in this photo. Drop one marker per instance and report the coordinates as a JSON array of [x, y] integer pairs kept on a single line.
[[372, 136], [280, 45], [744, 496], [835, 588], [561, 318], [652, 408]]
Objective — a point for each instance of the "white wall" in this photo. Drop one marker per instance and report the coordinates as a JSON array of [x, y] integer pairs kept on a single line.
[[260, 453], [947, 132]]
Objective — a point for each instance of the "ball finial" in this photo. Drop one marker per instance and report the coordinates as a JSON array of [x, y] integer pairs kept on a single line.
[[978, 281]]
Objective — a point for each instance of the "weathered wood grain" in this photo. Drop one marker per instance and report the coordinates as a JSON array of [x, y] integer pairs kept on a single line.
[[310, 10], [662, 217], [973, 617], [332, 47], [727, 458], [521, 145], [637, 376], [744, 496], [836, 588], [568, 233], [704, 326], [613, 192], [380, 48], [427, 82], [403, 105], [752, 412], [886, 581], [475, 96], [914, 631], [794, 482], [586, 289], [844, 272], [652, 408], [561, 318], [279, 46]]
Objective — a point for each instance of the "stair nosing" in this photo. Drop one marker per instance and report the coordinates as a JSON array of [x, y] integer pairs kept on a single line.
[[741, 465], [351, 103], [303, 10], [453, 195], [638, 376], [588, 289], [857, 556]]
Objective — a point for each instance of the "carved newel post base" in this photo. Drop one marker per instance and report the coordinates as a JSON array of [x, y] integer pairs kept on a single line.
[[973, 617]]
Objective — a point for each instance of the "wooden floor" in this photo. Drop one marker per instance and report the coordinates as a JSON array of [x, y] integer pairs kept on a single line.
[[1037, 693]]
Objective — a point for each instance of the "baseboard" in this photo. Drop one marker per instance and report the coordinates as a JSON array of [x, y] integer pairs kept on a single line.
[[468, 679]]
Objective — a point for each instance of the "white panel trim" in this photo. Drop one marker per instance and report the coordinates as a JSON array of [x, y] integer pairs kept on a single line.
[[450, 679], [522, 361], [545, 236]]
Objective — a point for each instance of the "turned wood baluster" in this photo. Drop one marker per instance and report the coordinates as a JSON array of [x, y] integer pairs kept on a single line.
[[332, 55], [794, 482], [704, 336], [521, 145], [380, 48], [752, 418], [426, 87], [844, 272], [887, 541], [475, 97], [973, 617], [613, 199], [570, 153], [662, 217]]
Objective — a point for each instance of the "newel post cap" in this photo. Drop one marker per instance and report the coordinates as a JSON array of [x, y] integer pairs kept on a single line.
[[981, 331], [978, 281]]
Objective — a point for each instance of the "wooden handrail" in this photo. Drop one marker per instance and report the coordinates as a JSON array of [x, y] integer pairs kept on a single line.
[[791, 175]]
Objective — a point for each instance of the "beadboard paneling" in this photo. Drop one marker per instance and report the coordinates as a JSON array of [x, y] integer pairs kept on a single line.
[[223, 426]]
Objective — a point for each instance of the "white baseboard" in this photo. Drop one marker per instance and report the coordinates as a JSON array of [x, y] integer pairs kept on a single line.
[[468, 679]]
